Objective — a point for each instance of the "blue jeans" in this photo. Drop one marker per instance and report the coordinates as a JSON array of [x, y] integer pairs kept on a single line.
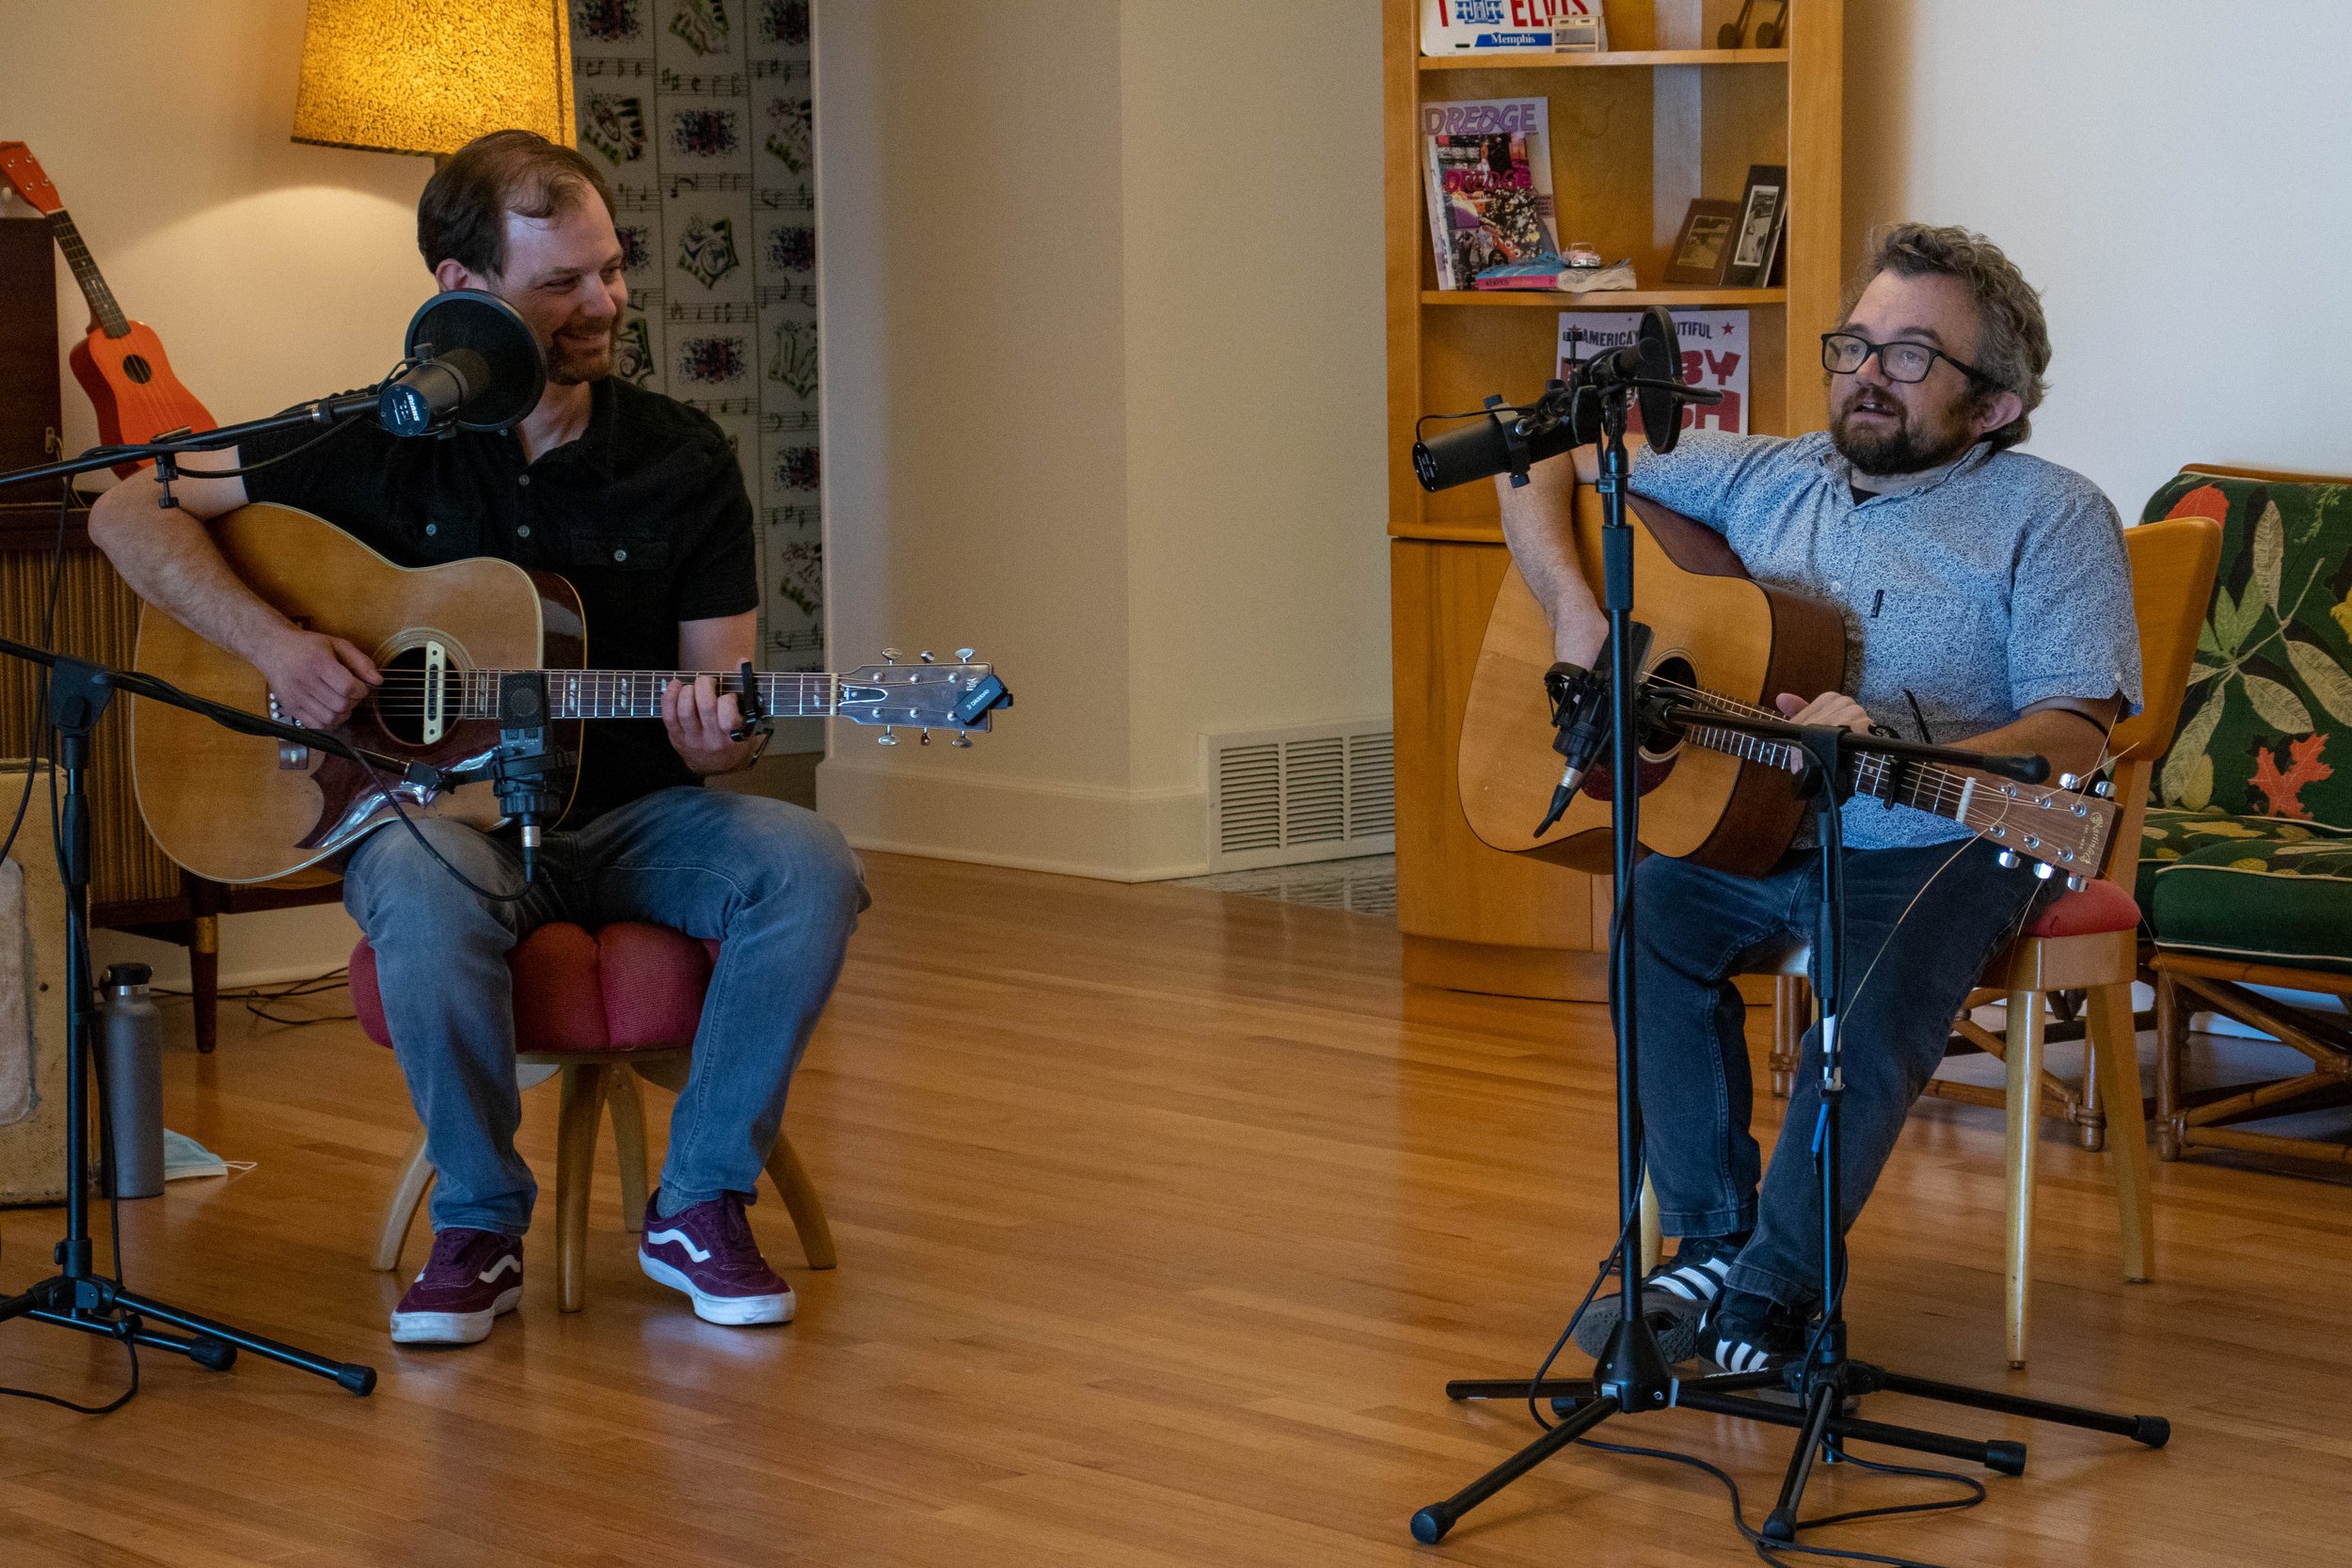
[[775, 883], [1911, 956]]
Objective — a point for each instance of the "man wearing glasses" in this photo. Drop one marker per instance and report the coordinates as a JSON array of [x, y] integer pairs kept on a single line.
[[1987, 605]]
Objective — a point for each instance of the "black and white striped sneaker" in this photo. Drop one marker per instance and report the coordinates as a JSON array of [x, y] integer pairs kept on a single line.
[[1747, 1333], [1674, 1298]]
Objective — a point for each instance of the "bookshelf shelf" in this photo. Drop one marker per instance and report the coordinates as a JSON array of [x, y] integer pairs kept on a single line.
[[1614, 299], [1538, 60], [1634, 135]]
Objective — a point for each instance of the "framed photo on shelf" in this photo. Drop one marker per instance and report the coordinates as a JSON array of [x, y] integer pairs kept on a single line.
[[1703, 250], [1763, 213]]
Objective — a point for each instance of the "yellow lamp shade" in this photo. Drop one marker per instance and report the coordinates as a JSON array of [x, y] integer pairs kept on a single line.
[[430, 76]]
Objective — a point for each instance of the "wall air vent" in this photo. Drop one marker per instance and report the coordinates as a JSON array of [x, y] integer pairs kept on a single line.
[[1316, 793]]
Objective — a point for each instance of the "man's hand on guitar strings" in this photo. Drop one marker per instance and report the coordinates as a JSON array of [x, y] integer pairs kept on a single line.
[[701, 720], [1830, 708], [319, 681]]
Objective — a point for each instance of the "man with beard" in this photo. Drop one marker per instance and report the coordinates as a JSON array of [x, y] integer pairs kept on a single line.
[[1987, 605], [637, 500]]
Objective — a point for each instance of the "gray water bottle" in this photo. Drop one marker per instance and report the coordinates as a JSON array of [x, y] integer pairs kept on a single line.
[[131, 1065]]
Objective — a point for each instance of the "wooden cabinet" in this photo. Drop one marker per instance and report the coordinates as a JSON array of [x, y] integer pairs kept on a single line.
[[1636, 134]]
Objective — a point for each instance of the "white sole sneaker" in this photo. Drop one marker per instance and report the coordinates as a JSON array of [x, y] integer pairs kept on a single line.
[[734, 1311], [453, 1328]]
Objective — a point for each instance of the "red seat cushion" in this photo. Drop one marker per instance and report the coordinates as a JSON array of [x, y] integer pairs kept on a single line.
[[628, 987], [2099, 906]]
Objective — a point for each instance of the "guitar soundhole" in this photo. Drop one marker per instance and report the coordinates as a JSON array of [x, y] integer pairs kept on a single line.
[[400, 701], [137, 369], [1675, 673]]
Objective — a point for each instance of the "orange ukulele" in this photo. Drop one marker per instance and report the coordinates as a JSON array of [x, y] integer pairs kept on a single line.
[[121, 364]]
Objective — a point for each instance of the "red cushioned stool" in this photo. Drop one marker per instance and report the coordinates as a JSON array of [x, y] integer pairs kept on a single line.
[[595, 1011]]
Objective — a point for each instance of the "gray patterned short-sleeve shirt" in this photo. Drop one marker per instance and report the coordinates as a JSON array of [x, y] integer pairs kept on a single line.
[[1996, 583]]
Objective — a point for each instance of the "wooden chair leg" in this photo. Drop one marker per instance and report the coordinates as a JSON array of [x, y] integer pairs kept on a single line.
[[2022, 1059], [2171, 1040], [1653, 1244], [628, 1144], [400, 1210], [2115, 1055], [204, 900], [581, 1109], [801, 1201]]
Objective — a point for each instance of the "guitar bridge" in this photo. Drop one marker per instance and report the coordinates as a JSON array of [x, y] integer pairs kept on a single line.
[[290, 757]]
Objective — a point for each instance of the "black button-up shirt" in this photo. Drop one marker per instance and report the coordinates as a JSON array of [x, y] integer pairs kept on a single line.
[[646, 515]]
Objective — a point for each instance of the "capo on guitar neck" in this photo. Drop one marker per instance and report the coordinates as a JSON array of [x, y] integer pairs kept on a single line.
[[756, 722]]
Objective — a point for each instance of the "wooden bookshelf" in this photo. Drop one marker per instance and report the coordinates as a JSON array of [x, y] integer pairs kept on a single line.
[[1636, 134]]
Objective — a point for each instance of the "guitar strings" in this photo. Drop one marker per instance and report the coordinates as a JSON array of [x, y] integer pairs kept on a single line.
[[1942, 790]]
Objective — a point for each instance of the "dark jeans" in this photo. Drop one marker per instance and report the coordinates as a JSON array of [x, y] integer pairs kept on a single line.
[[1921, 925], [775, 883]]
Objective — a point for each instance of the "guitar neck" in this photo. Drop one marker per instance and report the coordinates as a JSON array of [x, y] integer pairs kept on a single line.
[[101, 298], [2057, 827], [636, 693]]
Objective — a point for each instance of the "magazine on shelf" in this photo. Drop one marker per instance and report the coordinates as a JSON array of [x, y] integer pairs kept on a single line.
[[1512, 26], [1486, 164], [1714, 353]]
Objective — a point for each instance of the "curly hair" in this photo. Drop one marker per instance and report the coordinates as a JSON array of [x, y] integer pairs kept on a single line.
[[461, 213], [2012, 339]]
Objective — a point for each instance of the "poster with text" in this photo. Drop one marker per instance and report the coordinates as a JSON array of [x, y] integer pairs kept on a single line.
[[1715, 355]]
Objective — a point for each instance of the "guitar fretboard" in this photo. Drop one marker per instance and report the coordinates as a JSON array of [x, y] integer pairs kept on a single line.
[[2062, 828], [636, 693], [86, 273]]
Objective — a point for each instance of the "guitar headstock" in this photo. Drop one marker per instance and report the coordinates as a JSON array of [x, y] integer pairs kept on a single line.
[[2064, 828], [925, 696], [24, 171]]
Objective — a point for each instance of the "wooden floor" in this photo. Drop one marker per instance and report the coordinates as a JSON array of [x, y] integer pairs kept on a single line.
[[1164, 1218]]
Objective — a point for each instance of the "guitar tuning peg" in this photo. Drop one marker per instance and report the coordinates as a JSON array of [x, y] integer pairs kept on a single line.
[[2070, 780], [926, 737], [2005, 860], [892, 656], [2076, 882], [2104, 789], [2044, 871], [885, 738], [963, 655], [960, 741], [925, 656]]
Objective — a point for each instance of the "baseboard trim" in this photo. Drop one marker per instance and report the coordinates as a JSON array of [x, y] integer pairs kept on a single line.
[[1117, 836]]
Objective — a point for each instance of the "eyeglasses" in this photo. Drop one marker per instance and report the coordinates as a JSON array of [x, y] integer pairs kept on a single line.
[[1843, 353]]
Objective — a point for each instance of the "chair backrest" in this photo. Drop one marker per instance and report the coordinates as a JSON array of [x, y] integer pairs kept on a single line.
[[2265, 729], [2173, 566]]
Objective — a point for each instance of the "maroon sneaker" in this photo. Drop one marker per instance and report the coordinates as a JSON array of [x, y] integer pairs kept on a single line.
[[472, 1278], [707, 1251]]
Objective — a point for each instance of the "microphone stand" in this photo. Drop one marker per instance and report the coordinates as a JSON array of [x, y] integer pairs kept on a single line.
[[1631, 1376], [77, 1296]]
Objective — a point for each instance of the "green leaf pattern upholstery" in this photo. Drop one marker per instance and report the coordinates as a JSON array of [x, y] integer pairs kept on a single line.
[[2248, 845]]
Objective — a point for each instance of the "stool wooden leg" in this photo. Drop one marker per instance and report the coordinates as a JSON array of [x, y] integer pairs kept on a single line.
[[801, 1201], [581, 1109], [2172, 1042], [628, 1144], [2115, 1054], [1652, 1244], [416, 1175], [2023, 1058]]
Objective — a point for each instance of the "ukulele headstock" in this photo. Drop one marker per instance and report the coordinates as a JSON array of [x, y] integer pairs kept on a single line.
[[24, 171]]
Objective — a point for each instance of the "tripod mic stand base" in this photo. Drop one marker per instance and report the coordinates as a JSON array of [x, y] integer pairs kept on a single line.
[[94, 1304]]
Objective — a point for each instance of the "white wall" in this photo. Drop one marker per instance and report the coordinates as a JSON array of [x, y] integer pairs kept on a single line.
[[1104, 370], [2169, 172]]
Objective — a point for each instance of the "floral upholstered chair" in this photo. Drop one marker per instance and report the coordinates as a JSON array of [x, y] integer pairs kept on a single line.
[[2246, 869]]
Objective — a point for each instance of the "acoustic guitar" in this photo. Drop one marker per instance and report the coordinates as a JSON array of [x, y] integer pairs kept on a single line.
[[120, 362], [1722, 797], [238, 808]]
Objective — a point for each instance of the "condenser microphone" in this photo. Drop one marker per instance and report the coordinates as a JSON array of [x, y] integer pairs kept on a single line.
[[474, 364]]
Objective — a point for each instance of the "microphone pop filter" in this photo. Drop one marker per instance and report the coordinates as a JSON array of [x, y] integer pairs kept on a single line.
[[1660, 351], [487, 327]]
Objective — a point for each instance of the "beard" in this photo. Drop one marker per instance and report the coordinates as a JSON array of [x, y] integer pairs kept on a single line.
[[574, 358], [1904, 446]]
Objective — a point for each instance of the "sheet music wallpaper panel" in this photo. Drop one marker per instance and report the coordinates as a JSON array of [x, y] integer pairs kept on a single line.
[[700, 112]]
